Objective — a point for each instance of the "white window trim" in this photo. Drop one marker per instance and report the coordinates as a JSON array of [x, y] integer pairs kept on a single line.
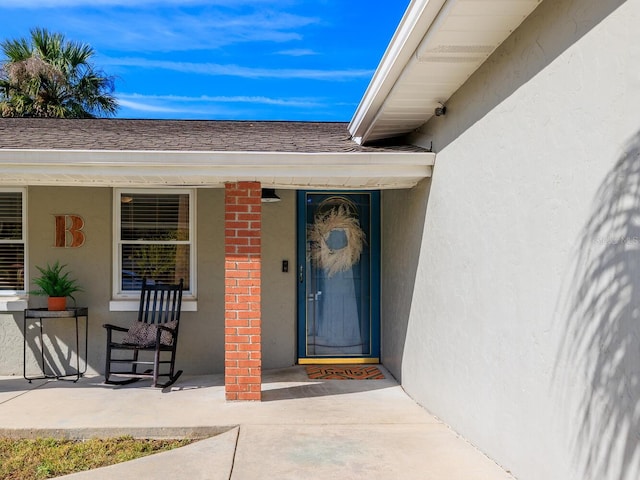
[[16, 300], [127, 301], [134, 305]]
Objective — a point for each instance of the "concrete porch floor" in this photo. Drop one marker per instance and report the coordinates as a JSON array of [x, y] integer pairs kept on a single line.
[[311, 429]]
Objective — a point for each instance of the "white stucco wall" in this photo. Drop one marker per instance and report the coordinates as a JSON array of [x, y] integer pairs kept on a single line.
[[523, 331], [201, 344]]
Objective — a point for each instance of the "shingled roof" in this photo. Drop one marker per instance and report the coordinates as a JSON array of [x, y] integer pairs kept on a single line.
[[183, 135]]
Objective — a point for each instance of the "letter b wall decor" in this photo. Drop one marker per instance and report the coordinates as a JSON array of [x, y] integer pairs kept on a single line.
[[69, 232]]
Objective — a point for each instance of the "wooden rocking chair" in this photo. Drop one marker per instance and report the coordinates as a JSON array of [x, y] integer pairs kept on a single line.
[[156, 331]]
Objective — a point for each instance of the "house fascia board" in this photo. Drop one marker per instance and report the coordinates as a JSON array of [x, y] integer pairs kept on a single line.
[[357, 170], [417, 20], [418, 64]]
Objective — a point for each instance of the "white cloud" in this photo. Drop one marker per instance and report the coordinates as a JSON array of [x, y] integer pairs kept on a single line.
[[207, 29], [297, 52], [144, 107], [292, 102], [170, 25], [206, 107], [30, 4], [216, 69]]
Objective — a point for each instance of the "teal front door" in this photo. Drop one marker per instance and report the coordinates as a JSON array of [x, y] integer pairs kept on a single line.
[[338, 277]]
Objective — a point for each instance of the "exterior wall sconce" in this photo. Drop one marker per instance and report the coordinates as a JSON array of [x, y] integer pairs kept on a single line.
[[441, 110], [269, 195]]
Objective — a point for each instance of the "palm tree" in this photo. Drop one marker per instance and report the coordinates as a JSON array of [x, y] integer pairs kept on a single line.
[[49, 76]]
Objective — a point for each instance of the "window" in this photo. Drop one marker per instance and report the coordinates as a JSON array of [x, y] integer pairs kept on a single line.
[[12, 241], [154, 239]]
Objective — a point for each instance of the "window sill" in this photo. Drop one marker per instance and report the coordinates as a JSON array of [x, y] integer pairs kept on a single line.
[[13, 304], [134, 305]]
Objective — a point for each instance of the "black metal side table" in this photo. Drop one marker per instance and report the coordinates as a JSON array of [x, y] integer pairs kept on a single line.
[[40, 315]]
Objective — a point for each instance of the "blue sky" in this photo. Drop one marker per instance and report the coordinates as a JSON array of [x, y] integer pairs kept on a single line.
[[224, 59]]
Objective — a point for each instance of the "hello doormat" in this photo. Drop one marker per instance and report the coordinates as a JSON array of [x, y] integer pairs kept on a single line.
[[344, 372]]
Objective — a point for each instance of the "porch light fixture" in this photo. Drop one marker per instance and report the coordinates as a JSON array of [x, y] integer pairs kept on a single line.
[[269, 195]]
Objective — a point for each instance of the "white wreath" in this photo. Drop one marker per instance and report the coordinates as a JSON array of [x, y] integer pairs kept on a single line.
[[341, 217]]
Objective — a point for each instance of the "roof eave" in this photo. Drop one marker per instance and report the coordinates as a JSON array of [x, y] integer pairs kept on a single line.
[[415, 22], [439, 44], [286, 170]]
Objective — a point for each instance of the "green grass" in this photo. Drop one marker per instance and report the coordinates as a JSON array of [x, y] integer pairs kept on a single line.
[[48, 457]]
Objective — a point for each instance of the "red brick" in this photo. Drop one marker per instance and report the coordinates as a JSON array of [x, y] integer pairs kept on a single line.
[[248, 380], [236, 339], [252, 250], [236, 306], [236, 387], [249, 363], [236, 241], [249, 396], [237, 274], [247, 265], [237, 225], [248, 298], [242, 282], [228, 208], [248, 330], [252, 217], [237, 355], [238, 290], [232, 323]]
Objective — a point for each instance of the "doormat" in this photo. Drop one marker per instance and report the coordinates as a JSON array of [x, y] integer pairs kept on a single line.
[[344, 372]]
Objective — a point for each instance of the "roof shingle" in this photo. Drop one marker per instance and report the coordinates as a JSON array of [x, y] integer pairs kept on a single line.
[[183, 135]]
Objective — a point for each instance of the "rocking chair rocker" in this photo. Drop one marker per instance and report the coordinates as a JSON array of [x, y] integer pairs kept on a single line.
[[155, 331]]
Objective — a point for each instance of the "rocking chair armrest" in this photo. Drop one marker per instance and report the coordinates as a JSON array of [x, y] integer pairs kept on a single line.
[[168, 329], [118, 328], [162, 328]]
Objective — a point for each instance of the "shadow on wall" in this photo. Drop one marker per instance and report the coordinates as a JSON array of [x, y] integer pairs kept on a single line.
[[403, 229], [602, 337], [59, 352]]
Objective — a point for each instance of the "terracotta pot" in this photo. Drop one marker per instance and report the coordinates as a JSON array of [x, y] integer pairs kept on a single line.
[[57, 303]]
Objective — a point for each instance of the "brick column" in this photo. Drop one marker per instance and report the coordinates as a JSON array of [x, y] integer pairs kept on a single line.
[[243, 331]]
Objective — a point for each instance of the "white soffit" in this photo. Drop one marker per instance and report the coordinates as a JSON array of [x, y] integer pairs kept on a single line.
[[112, 168], [436, 48]]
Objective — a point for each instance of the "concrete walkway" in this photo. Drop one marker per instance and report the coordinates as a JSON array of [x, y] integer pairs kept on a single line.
[[303, 429]]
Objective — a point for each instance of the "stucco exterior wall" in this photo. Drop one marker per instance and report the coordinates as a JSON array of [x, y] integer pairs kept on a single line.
[[201, 345], [403, 224], [523, 330], [278, 287]]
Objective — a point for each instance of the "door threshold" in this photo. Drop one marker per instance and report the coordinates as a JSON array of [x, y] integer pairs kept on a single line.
[[337, 361]]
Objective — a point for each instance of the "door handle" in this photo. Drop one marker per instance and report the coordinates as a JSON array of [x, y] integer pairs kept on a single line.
[[301, 274]]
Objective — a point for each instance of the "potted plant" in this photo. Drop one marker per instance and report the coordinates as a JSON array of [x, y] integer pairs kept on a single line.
[[56, 284]]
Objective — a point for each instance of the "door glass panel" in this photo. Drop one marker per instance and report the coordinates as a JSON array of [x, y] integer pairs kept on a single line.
[[338, 271]]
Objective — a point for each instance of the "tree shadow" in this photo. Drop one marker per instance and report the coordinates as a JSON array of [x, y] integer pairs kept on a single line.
[[53, 348], [601, 340]]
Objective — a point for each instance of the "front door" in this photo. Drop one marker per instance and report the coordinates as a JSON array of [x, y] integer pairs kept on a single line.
[[338, 277]]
